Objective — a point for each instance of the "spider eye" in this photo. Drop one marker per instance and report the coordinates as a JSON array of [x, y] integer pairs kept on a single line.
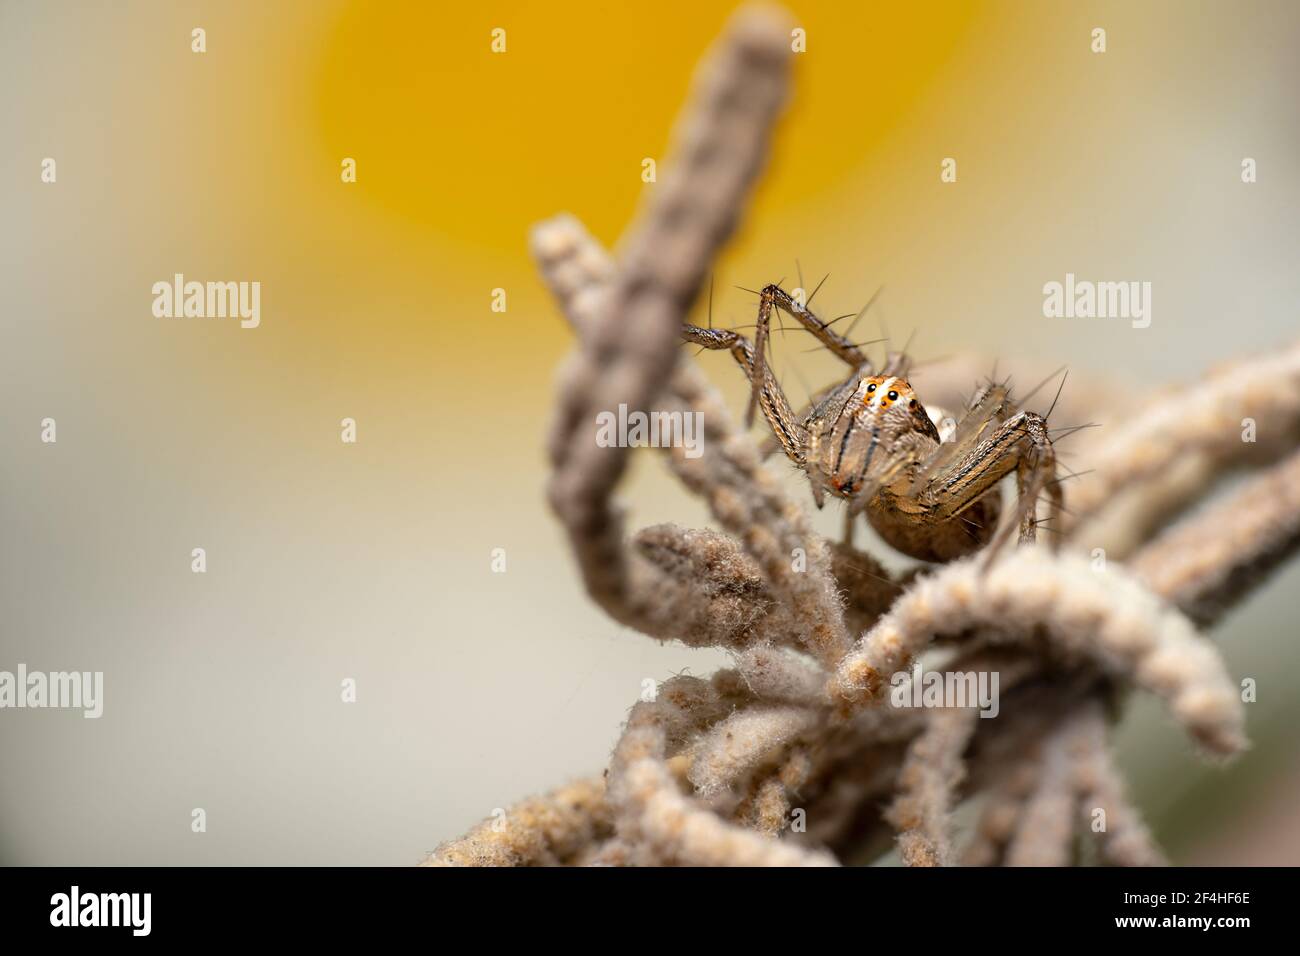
[[893, 396], [871, 388]]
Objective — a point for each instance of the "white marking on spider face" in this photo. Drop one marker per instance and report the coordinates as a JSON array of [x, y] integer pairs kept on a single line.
[[884, 388]]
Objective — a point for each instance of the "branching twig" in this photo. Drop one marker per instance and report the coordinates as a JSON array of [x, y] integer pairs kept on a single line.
[[1081, 609], [1171, 451], [651, 812], [1210, 562], [713, 772], [930, 774], [546, 830], [1045, 834], [1125, 839], [629, 341]]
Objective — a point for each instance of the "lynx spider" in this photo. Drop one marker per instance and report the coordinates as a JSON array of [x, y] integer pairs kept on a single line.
[[870, 441]]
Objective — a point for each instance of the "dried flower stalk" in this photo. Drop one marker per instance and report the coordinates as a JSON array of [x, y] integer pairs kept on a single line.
[[539, 831], [1045, 833], [629, 342], [1208, 563], [1078, 607], [1163, 456], [1125, 839], [930, 774], [795, 757]]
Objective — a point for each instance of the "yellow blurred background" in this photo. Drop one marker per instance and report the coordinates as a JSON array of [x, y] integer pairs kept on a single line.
[[372, 561]]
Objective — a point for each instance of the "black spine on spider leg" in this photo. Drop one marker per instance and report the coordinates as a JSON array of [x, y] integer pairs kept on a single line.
[[758, 362]]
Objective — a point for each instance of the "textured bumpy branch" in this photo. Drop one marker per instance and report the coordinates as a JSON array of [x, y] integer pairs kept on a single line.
[[700, 587], [1170, 452], [654, 817], [1047, 824], [743, 495], [1033, 814], [629, 345], [926, 785], [714, 772], [1125, 840], [540, 831], [744, 741], [781, 675], [746, 499], [1003, 812], [1081, 610], [1210, 562]]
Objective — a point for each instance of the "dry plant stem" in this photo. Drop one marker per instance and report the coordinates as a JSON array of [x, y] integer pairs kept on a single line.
[[930, 774], [539, 831], [746, 499], [575, 268], [1125, 841], [1002, 812], [781, 674], [1046, 833], [747, 739], [1001, 749], [867, 589], [1191, 430], [743, 496], [766, 807], [708, 772], [677, 832], [610, 853], [850, 778], [1212, 560], [655, 817], [708, 592], [1135, 515], [628, 347], [766, 811], [660, 590], [1081, 610], [854, 771]]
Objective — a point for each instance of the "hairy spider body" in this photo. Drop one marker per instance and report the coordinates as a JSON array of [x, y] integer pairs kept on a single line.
[[870, 441]]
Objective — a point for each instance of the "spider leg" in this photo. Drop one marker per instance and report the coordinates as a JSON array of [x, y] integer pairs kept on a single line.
[[1036, 474], [989, 407], [773, 296], [788, 430], [1020, 444], [824, 407]]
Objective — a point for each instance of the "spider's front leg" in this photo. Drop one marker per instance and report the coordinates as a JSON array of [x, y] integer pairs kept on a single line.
[[789, 431], [773, 296], [1019, 444]]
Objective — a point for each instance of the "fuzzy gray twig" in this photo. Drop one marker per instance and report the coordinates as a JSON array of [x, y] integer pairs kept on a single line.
[[796, 756]]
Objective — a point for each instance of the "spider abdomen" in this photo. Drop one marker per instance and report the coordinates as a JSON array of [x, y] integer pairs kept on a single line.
[[909, 528]]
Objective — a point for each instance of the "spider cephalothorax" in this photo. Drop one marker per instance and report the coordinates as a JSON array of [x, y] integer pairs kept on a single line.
[[880, 420], [870, 441]]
